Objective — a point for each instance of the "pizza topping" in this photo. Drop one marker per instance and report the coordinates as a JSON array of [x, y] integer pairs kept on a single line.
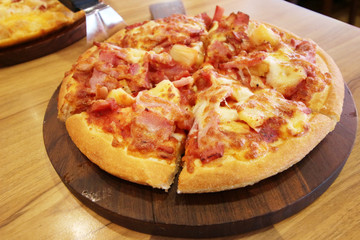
[[207, 20], [97, 78], [121, 97], [161, 34], [269, 131], [183, 82], [219, 12], [261, 34], [284, 76], [306, 48], [243, 61], [269, 104], [184, 55], [102, 106], [153, 125]]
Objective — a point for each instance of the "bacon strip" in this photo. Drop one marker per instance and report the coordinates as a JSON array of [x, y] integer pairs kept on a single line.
[[182, 118], [97, 78], [245, 61], [219, 12], [183, 82]]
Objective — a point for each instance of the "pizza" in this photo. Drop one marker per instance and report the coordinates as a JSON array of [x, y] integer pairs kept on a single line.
[[222, 102], [25, 20]]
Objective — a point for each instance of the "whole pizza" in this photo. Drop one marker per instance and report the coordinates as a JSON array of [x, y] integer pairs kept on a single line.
[[224, 102], [25, 20]]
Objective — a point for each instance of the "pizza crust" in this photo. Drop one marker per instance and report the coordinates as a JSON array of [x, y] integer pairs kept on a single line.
[[228, 173], [97, 146], [334, 103]]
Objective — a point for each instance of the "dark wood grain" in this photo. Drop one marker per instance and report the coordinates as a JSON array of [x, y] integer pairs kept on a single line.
[[231, 212], [42, 46]]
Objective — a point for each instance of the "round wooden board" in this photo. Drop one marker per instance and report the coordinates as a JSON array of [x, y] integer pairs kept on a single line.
[[39, 47], [156, 212]]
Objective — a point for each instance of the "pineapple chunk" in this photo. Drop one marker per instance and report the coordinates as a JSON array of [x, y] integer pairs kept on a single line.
[[241, 94], [183, 54], [260, 69], [261, 34], [165, 90], [283, 75], [121, 97], [234, 126]]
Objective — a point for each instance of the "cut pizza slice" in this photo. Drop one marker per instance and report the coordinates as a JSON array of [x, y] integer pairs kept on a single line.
[[234, 144], [140, 140]]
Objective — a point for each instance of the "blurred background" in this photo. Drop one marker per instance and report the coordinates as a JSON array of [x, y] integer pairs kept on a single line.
[[344, 10]]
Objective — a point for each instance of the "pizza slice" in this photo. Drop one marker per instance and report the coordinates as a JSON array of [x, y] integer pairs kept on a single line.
[[140, 140], [240, 137], [256, 107]]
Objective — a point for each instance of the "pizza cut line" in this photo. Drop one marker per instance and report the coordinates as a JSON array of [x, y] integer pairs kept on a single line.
[[224, 102]]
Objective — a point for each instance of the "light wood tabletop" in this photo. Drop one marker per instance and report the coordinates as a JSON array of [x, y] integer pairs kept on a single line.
[[34, 202]]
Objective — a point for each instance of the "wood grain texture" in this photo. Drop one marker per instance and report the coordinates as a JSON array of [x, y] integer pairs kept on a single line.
[[35, 202], [200, 215]]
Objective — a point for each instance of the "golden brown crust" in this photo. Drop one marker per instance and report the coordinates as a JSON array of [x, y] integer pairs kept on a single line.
[[229, 173], [97, 146], [334, 102]]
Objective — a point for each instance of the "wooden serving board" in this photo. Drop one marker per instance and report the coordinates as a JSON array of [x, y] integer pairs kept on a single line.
[[156, 212], [39, 47]]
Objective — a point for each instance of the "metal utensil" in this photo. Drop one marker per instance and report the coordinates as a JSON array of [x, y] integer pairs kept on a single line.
[[165, 9], [102, 21]]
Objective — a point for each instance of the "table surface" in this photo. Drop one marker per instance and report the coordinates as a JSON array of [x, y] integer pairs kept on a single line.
[[36, 204]]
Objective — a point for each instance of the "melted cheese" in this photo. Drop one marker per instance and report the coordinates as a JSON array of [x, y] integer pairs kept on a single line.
[[241, 94], [236, 127], [256, 116], [165, 90], [295, 125], [283, 75], [227, 114], [121, 97], [318, 99], [267, 104], [261, 33], [135, 55]]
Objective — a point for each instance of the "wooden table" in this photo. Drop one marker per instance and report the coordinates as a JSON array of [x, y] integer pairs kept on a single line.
[[35, 204]]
